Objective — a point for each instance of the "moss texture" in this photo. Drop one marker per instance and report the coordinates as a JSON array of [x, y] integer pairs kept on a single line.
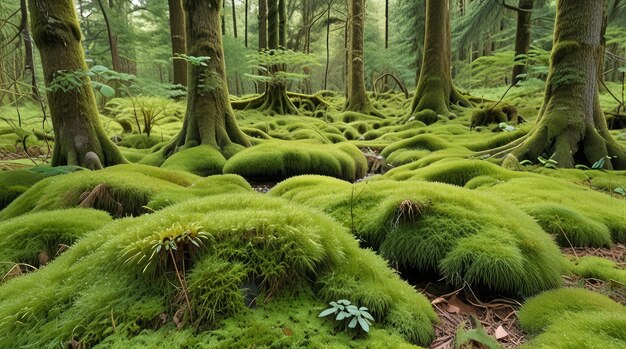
[[456, 233], [291, 259], [120, 190], [23, 239], [599, 268], [280, 160], [573, 318]]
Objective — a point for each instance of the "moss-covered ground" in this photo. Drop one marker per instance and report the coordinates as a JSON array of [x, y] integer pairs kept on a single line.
[[184, 253]]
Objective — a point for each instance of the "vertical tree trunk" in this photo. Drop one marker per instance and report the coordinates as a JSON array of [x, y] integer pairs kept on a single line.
[[245, 33], [357, 99], [435, 93], [273, 25], [209, 119], [571, 127], [522, 37], [386, 23], [282, 24], [177, 33], [115, 55], [262, 24], [74, 114], [29, 60], [234, 19], [223, 17], [330, 4]]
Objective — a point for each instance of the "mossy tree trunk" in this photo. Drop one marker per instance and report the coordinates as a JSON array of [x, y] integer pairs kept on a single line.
[[74, 113], [522, 36], [436, 95], [177, 34], [209, 119], [571, 127], [357, 99], [275, 99]]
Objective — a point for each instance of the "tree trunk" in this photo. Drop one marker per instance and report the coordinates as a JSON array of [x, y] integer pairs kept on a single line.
[[223, 17], [571, 127], [245, 25], [209, 119], [282, 24], [74, 114], [357, 100], [262, 24], [177, 33], [234, 19], [115, 55], [29, 60], [522, 37], [435, 93]]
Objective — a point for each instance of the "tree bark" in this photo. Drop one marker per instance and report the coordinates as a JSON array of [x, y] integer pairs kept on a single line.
[[209, 119], [435, 93], [571, 127], [177, 33], [74, 114], [234, 19], [262, 25], [245, 33], [522, 37], [29, 60], [282, 24], [115, 55], [357, 100]]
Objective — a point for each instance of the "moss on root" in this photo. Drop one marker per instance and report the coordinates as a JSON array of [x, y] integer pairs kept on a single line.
[[456, 233], [573, 318], [280, 160], [114, 289]]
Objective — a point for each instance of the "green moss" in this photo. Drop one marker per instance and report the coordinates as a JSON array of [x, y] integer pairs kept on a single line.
[[438, 228], [573, 318], [203, 160], [530, 192], [140, 141], [571, 228], [124, 190], [22, 239], [14, 183], [279, 160], [100, 292], [599, 268]]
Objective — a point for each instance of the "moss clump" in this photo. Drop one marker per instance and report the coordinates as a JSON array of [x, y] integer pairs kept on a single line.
[[140, 141], [494, 115], [291, 259], [35, 238], [456, 233], [571, 228], [279, 160], [203, 160], [574, 318], [14, 183], [599, 268], [120, 190]]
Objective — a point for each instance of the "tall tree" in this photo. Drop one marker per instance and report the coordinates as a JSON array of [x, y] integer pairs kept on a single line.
[[262, 24], [357, 99], [177, 33], [77, 129], [209, 118], [29, 57], [571, 127], [436, 95], [522, 37], [115, 55]]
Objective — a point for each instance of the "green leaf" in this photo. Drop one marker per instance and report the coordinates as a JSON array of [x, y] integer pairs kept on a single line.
[[342, 315], [352, 309], [599, 164], [364, 325], [328, 312], [582, 167], [367, 315], [107, 91], [620, 191], [344, 302], [98, 69], [525, 162], [353, 323]]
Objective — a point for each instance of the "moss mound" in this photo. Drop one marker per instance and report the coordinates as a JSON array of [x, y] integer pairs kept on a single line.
[[231, 251], [14, 183], [576, 205], [456, 233], [35, 238], [599, 268], [279, 160], [120, 190], [574, 318], [203, 160], [570, 227]]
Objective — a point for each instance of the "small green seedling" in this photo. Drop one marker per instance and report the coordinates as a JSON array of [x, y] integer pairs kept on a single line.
[[348, 313]]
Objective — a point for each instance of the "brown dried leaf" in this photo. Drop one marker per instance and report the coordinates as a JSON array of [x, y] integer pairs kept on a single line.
[[438, 300], [463, 307], [453, 309], [43, 258], [287, 331], [178, 317]]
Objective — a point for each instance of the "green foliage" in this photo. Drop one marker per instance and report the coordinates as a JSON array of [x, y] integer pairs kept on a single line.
[[143, 113], [266, 61], [349, 315], [203, 160], [599, 268], [67, 81], [453, 232], [279, 160], [291, 254], [573, 318], [475, 337], [197, 61]]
